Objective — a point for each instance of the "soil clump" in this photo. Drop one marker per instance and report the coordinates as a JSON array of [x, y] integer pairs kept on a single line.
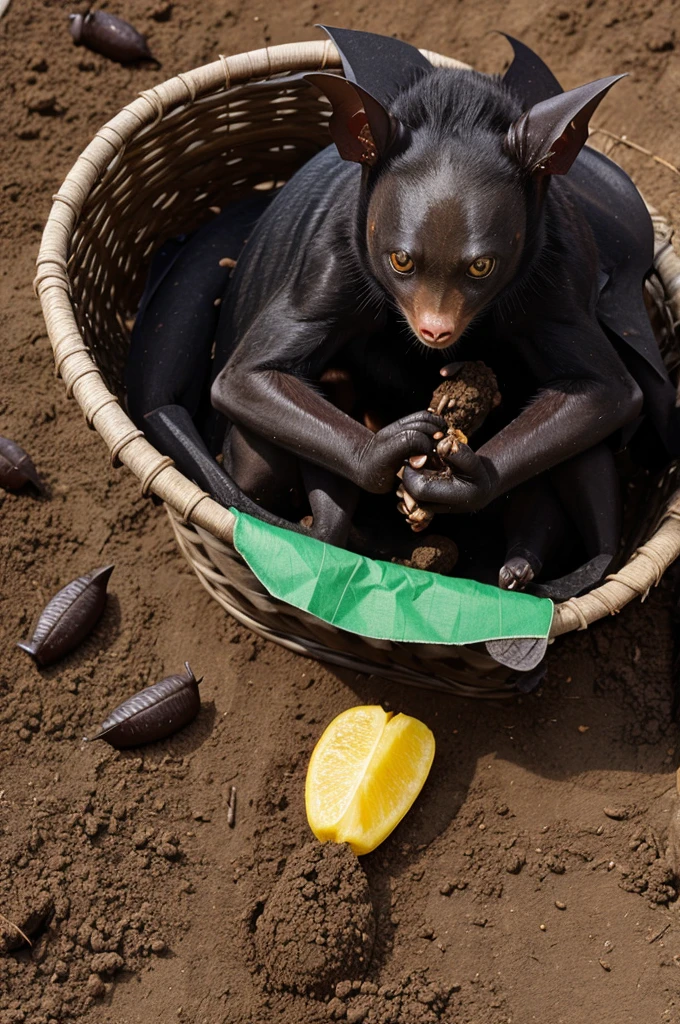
[[465, 399], [317, 924], [433, 554]]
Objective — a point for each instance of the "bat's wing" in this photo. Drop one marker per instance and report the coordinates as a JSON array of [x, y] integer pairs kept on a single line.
[[172, 430], [578, 582], [161, 264], [523, 654], [625, 240], [169, 359], [529, 78], [381, 65]]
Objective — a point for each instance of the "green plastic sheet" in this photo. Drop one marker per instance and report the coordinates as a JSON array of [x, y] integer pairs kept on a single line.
[[381, 599]]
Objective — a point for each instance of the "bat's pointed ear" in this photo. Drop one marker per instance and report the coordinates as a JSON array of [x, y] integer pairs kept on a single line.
[[548, 137], [381, 64], [528, 76], [360, 127]]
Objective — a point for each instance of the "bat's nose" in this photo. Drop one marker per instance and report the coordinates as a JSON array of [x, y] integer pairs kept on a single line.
[[434, 329]]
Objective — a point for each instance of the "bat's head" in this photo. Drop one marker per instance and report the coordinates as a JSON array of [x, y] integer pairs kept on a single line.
[[454, 182], [446, 229]]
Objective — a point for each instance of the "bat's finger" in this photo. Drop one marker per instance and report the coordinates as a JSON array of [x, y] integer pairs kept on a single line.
[[426, 488], [425, 421], [451, 369], [419, 516], [417, 442], [423, 427], [409, 501], [465, 462]]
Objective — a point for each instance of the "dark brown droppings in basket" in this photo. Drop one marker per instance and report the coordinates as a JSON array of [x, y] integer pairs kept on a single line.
[[433, 554], [317, 924], [466, 399]]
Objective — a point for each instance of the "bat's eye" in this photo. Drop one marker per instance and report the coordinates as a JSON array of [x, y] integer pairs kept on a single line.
[[481, 267], [401, 262]]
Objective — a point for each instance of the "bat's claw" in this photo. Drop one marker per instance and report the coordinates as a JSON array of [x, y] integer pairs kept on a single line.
[[516, 574], [418, 518]]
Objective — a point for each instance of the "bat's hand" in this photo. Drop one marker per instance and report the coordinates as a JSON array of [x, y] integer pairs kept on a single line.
[[387, 450], [451, 369], [471, 486]]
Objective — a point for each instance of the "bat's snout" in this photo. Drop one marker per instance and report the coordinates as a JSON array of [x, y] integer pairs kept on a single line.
[[435, 330], [437, 321]]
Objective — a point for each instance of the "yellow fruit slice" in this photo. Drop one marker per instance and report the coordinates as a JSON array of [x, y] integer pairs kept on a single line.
[[364, 774]]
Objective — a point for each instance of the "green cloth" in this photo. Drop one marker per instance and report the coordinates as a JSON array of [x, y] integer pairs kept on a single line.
[[381, 599]]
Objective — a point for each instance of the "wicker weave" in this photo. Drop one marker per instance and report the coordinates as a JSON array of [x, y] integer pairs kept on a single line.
[[182, 148]]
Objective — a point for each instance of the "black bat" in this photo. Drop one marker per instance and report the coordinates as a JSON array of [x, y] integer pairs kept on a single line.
[[455, 165], [460, 219], [587, 486]]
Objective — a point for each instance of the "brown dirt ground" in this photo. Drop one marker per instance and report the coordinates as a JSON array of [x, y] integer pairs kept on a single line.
[[152, 897]]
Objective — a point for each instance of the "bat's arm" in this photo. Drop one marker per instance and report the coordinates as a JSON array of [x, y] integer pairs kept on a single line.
[[566, 418], [585, 395], [278, 405]]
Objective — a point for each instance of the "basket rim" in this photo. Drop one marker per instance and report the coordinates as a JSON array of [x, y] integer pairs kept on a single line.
[[101, 409]]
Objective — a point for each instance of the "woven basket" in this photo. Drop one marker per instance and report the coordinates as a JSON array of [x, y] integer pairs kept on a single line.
[[156, 169]]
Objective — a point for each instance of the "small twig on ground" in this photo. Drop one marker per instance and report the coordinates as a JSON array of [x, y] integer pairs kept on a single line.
[[231, 808], [622, 140], [18, 929], [657, 935]]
